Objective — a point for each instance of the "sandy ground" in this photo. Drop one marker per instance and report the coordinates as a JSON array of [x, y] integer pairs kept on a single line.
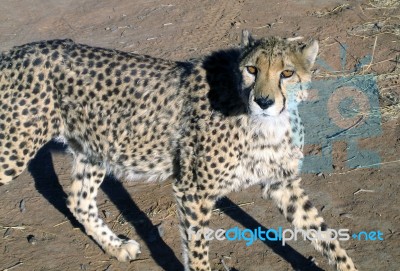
[[44, 236]]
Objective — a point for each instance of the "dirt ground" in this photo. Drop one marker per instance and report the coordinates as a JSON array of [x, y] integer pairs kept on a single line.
[[37, 231]]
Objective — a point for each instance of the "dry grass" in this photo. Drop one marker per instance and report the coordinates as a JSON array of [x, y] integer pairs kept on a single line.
[[390, 112], [387, 24], [375, 28], [382, 4], [335, 10]]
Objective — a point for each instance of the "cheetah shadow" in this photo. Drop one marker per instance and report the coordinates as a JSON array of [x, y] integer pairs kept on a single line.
[[287, 253], [47, 184]]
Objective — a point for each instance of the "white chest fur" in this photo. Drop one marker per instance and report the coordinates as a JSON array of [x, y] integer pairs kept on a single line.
[[270, 156]]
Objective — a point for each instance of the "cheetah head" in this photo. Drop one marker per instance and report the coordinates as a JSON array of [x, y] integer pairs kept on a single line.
[[268, 66]]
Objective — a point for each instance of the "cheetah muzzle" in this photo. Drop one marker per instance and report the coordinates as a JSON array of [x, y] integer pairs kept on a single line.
[[215, 124]]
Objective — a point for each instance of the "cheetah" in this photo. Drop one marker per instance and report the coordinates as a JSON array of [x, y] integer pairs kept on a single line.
[[215, 125]]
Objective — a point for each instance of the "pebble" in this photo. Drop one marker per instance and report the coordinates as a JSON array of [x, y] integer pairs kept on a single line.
[[161, 230], [32, 239], [235, 23], [22, 208], [347, 215], [112, 28], [321, 175], [106, 214]]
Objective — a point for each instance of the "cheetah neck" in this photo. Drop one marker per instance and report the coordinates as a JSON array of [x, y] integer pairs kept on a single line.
[[273, 129]]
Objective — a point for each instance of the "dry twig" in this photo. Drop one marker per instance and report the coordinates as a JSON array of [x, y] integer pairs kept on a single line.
[[13, 266], [363, 190]]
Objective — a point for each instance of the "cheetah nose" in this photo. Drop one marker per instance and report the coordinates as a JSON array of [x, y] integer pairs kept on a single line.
[[264, 102]]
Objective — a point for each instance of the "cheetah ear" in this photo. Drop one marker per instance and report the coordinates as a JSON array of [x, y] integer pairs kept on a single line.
[[247, 39], [310, 52]]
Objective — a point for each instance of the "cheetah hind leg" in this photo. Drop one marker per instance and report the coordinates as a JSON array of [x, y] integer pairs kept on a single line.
[[18, 148], [87, 178], [298, 210]]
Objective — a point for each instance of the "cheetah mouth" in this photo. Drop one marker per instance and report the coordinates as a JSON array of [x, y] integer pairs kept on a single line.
[[271, 112], [268, 115], [264, 114]]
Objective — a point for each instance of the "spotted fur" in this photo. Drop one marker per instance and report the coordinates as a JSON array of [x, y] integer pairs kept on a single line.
[[215, 124]]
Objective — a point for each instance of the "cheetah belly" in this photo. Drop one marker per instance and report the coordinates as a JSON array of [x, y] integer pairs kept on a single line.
[[266, 166], [128, 148], [127, 162]]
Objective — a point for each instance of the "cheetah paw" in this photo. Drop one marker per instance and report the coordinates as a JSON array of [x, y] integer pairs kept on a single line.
[[129, 250]]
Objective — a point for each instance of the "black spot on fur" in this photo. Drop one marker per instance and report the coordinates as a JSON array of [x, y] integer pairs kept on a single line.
[[37, 62], [307, 206], [291, 209], [275, 186]]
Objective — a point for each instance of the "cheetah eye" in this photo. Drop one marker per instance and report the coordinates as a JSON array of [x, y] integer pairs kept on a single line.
[[287, 73], [252, 70]]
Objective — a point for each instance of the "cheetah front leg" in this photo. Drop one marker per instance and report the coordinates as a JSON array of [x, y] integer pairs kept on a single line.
[[87, 177], [194, 213], [298, 210]]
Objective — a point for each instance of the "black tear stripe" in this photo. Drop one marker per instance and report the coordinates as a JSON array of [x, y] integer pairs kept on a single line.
[[284, 97]]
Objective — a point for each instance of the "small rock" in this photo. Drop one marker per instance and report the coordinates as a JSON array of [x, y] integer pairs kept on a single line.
[[121, 220], [320, 174], [235, 23], [106, 213], [112, 28], [347, 215], [83, 267], [22, 208], [313, 261], [161, 230], [379, 25], [31, 239]]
